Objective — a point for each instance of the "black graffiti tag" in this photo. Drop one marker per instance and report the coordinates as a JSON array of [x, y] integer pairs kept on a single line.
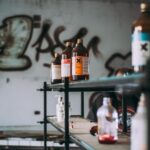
[[15, 34], [53, 45]]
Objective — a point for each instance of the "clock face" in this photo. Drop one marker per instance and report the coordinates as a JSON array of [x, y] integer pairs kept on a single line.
[[15, 34]]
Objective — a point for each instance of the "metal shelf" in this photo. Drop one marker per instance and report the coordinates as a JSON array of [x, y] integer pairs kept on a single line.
[[80, 134], [124, 84]]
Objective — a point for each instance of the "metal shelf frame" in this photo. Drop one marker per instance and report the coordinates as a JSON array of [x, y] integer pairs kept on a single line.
[[125, 85]]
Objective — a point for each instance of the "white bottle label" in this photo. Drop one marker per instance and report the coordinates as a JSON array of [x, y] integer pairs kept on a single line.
[[85, 65], [66, 67], [60, 113], [56, 71], [140, 48]]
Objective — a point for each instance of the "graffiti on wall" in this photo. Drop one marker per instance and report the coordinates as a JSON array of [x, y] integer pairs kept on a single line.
[[15, 36], [123, 61], [16, 33], [53, 45]]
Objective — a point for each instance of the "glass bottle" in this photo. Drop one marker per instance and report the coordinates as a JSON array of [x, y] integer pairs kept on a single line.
[[56, 69], [139, 127], [80, 62], [107, 117], [141, 38], [66, 62]]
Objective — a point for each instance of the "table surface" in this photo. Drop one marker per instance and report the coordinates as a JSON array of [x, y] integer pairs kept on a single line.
[[79, 129]]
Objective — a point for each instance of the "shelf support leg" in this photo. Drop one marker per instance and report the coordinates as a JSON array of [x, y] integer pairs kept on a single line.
[[45, 117], [82, 104], [124, 114], [66, 95]]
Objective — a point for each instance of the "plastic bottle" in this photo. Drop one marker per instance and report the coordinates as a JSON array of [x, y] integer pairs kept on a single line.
[[141, 38], [66, 62], [107, 117], [139, 127], [80, 62], [60, 113], [56, 69]]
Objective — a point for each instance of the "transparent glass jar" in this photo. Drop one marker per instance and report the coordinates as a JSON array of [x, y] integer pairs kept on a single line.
[[107, 117]]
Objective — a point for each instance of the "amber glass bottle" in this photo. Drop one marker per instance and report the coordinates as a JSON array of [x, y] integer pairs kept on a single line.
[[56, 69], [141, 38], [80, 62], [66, 62]]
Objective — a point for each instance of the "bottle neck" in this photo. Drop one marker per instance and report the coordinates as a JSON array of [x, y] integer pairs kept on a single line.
[[142, 104], [106, 101], [67, 52], [141, 109]]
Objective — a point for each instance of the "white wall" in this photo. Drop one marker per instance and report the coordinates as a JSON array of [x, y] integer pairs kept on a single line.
[[111, 21]]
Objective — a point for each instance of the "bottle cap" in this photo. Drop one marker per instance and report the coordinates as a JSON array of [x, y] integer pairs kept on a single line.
[[68, 44], [145, 7], [56, 55], [79, 41]]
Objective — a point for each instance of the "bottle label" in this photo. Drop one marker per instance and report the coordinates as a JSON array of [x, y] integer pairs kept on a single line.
[[140, 48], [85, 65], [60, 112], [80, 65], [66, 67], [77, 65], [56, 71]]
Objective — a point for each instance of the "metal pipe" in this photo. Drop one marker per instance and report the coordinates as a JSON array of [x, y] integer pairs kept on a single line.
[[66, 123], [124, 114], [82, 104], [45, 117]]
